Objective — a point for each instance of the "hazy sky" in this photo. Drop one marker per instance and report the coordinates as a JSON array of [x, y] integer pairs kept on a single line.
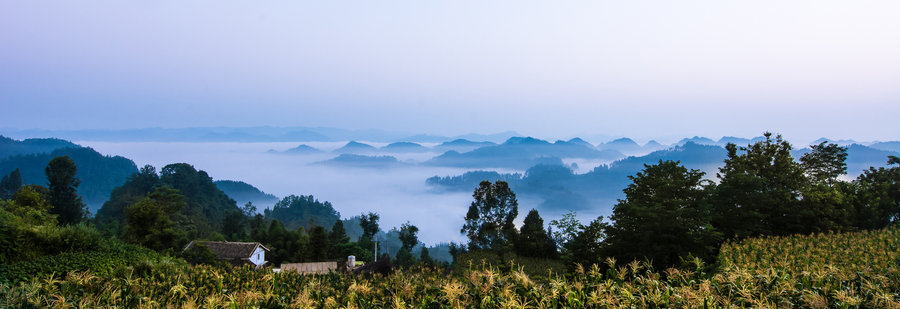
[[546, 68]]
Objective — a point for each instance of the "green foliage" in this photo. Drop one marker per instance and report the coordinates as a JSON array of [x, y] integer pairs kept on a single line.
[[508, 262], [302, 211], [234, 226], [664, 217], [825, 162], [759, 192], [587, 246], [319, 247], [152, 221], [99, 174], [104, 260], [205, 206], [533, 240], [408, 236], [856, 270], [63, 191], [201, 254], [369, 224], [489, 221], [10, 184], [876, 196]]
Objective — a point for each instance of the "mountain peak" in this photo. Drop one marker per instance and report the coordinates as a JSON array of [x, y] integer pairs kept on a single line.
[[525, 141]]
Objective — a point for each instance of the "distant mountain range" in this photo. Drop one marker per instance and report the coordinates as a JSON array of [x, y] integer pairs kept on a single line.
[[561, 188], [250, 134]]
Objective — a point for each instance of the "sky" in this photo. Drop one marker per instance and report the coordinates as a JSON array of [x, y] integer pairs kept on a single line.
[[806, 69]]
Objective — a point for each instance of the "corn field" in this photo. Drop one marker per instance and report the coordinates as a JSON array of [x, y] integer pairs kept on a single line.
[[851, 270]]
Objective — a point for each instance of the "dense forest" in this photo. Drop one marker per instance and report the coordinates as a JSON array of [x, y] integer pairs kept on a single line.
[[98, 173]]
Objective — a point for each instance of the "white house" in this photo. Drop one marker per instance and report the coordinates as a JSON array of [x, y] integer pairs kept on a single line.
[[235, 253]]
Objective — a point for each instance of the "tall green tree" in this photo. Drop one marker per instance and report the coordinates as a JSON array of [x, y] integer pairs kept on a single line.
[[664, 217], [489, 221], [369, 224], [824, 204], [233, 226], [533, 240], [151, 222], [567, 228], [10, 184], [587, 246], [408, 238], [341, 246], [759, 190], [318, 247], [825, 162], [64, 190], [876, 196]]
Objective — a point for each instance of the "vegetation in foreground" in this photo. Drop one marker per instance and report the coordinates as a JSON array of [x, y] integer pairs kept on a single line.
[[814, 271]]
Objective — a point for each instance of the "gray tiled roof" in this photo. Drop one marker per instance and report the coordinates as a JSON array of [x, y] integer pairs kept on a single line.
[[229, 250]]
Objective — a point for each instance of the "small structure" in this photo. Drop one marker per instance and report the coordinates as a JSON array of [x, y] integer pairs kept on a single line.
[[310, 268], [235, 253]]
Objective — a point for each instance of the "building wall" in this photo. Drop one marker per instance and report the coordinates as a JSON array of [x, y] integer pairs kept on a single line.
[[310, 268], [259, 257]]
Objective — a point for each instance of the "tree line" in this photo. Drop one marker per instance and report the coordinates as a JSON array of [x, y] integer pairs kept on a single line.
[[671, 214]]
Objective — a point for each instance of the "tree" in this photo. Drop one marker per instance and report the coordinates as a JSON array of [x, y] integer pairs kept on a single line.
[[249, 210], [10, 184], [587, 246], [664, 217], [63, 190], [233, 225], [567, 228], [408, 239], [408, 236], [489, 221], [318, 244], [825, 162], [30, 205], [369, 224], [533, 240], [824, 204], [151, 221], [340, 242], [876, 196], [759, 190], [425, 257]]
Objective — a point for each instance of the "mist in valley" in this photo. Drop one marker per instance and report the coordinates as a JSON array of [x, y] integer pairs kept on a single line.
[[398, 193]]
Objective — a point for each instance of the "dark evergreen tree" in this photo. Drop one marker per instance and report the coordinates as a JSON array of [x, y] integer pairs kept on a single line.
[[425, 257], [318, 247], [586, 248], [10, 184], [664, 217], [369, 224], [824, 204], [152, 221], [233, 226], [303, 211], [876, 196], [825, 162], [533, 240], [759, 192], [489, 221], [408, 236], [64, 190]]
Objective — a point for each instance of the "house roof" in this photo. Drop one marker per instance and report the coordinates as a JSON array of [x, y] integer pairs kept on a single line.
[[229, 250]]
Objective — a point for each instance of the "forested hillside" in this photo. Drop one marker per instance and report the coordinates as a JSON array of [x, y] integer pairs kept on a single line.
[[99, 174]]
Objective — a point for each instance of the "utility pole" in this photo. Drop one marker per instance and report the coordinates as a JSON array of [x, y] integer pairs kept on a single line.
[[376, 251]]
